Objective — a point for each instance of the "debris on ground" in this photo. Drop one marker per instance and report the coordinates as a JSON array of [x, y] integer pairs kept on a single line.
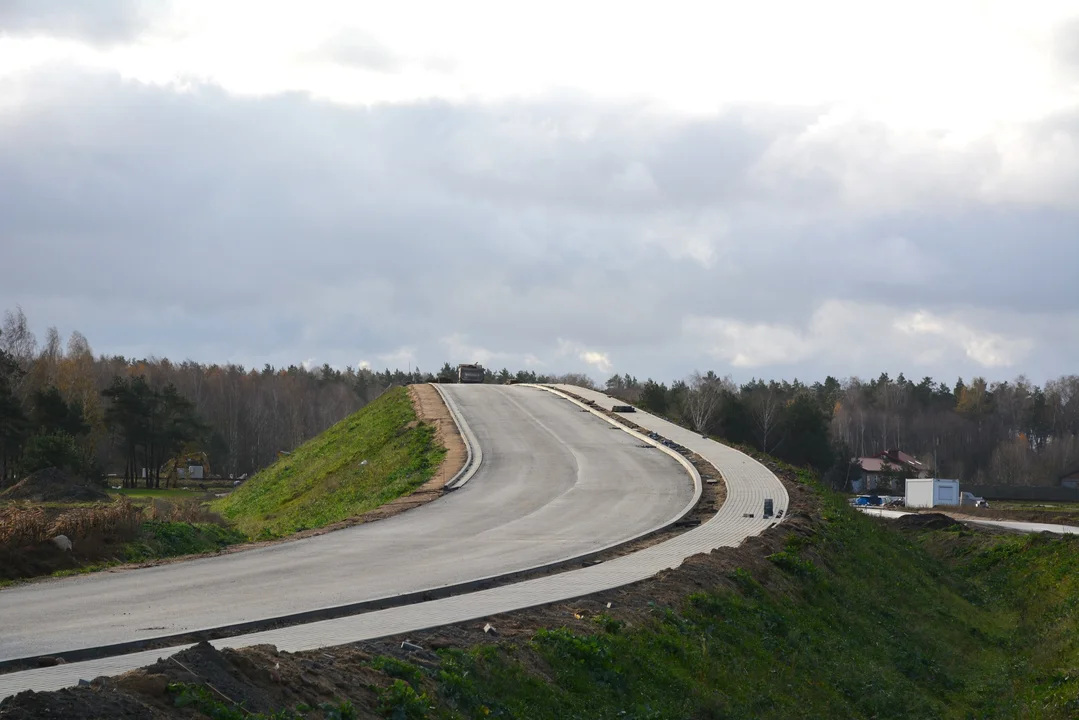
[[927, 521]]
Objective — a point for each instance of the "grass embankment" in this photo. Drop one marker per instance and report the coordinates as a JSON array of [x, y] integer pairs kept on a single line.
[[861, 620], [326, 480]]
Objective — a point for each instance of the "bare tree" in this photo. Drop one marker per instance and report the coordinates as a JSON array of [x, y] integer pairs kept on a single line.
[[766, 409], [17, 339], [1011, 463], [703, 398]]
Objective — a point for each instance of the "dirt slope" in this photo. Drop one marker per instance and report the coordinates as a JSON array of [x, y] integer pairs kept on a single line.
[[53, 485]]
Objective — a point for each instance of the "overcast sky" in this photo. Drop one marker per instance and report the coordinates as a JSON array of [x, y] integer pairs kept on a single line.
[[773, 189]]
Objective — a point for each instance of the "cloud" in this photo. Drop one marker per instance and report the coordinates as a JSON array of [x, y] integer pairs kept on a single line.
[[399, 358], [359, 50], [97, 22], [557, 233], [847, 334], [600, 361], [1066, 47], [988, 349]]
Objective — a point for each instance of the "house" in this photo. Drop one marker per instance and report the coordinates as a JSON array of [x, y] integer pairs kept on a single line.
[[885, 469], [1070, 479]]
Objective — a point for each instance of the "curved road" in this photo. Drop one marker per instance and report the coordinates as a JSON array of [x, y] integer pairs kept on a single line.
[[555, 482]]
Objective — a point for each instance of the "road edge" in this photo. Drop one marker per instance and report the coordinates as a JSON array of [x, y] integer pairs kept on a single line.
[[472, 445]]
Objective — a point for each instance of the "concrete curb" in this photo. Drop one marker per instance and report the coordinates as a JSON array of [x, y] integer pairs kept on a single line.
[[472, 446]]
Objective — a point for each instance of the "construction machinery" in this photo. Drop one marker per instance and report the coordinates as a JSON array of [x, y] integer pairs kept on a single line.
[[191, 465], [470, 373]]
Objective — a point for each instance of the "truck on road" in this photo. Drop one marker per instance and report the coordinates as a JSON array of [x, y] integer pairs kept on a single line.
[[470, 373]]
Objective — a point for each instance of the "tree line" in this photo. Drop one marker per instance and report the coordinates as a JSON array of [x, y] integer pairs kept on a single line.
[[998, 433], [100, 413], [60, 404]]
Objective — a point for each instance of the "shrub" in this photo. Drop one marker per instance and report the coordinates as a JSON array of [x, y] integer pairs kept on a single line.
[[400, 702], [398, 669], [45, 450]]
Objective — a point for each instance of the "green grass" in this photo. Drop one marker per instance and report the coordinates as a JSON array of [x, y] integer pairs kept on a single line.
[[859, 620], [324, 481], [161, 493], [1036, 579], [173, 539]]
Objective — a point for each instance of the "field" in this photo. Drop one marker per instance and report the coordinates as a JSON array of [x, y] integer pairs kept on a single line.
[[160, 493], [368, 459]]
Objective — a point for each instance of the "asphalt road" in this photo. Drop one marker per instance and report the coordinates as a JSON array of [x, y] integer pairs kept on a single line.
[[555, 482]]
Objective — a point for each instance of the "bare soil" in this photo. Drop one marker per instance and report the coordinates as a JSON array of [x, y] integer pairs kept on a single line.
[[926, 521], [1034, 516], [53, 485], [967, 513]]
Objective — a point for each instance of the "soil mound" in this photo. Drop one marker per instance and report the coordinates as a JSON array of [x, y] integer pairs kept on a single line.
[[53, 485], [75, 704], [927, 521], [203, 664]]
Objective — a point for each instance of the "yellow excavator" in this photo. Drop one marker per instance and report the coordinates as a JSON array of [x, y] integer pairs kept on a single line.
[[189, 465]]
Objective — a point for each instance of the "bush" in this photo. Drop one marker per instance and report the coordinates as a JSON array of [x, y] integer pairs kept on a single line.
[[45, 450], [171, 539], [400, 702]]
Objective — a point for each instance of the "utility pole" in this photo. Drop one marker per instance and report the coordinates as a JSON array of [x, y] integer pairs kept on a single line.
[[936, 467]]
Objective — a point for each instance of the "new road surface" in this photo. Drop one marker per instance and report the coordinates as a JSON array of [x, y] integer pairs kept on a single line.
[[529, 448], [555, 482]]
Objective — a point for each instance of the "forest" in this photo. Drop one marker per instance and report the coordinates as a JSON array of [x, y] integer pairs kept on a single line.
[[994, 433], [62, 405], [114, 414]]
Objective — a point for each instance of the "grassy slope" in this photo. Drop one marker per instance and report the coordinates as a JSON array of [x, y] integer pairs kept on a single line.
[[1036, 578], [863, 622], [323, 481]]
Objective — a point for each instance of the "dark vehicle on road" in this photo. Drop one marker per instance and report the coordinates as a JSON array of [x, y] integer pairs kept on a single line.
[[472, 373]]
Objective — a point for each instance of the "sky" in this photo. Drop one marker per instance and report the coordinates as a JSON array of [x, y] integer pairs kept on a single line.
[[769, 189]]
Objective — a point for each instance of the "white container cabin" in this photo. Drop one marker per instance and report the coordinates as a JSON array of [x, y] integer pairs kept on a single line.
[[931, 492]]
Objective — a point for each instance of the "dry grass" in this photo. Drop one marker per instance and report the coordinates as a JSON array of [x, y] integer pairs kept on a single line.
[[189, 511], [22, 525], [119, 519], [25, 525]]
